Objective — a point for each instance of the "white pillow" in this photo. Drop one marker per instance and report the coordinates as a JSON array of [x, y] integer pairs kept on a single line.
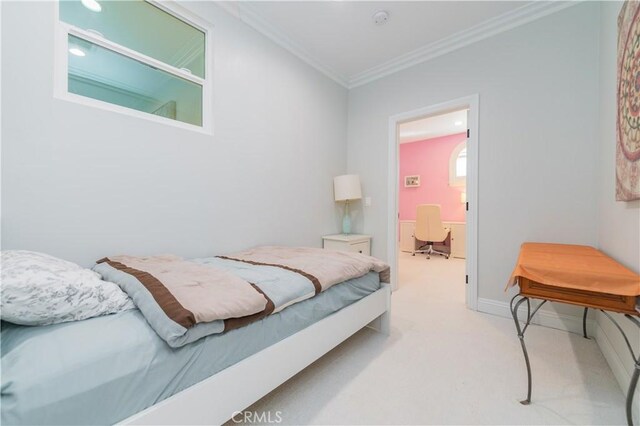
[[38, 289]]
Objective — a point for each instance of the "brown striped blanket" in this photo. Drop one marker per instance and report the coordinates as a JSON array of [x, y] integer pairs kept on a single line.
[[323, 267], [185, 300]]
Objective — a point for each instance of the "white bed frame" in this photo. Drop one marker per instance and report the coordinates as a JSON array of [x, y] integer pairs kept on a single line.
[[216, 399]]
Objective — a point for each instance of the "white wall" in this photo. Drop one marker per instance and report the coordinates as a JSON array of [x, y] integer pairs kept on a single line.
[[538, 135], [82, 183], [618, 222]]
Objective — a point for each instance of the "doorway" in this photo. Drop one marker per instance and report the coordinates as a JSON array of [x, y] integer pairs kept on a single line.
[[433, 155]]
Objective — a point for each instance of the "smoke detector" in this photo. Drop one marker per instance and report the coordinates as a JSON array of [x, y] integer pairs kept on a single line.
[[381, 17]]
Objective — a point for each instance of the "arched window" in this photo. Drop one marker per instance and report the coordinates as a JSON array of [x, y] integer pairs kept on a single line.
[[458, 165]]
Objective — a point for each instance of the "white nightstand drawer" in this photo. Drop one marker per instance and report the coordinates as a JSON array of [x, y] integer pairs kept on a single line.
[[352, 242], [336, 245], [361, 248]]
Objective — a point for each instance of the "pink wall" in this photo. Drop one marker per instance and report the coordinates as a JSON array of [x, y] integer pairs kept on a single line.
[[430, 160]]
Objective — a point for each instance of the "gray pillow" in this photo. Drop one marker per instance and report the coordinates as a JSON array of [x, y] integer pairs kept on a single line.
[[38, 289]]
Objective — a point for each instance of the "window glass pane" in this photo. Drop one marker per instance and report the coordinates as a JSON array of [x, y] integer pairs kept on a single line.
[[102, 74], [142, 27], [461, 164]]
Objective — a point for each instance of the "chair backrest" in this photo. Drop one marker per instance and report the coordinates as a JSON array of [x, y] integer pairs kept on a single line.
[[429, 223]]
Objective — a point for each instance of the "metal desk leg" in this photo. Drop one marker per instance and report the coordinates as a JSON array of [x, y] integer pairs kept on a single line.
[[631, 392], [636, 359], [520, 331], [514, 313], [584, 323]]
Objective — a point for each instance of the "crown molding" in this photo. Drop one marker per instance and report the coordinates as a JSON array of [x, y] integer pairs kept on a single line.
[[486, 29], [505, 22], [247, 15], [231, 7]]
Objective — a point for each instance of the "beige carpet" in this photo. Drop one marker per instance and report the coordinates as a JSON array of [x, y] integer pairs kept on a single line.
[[444, 364]]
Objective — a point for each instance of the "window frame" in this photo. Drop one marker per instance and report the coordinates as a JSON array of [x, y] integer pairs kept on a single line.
[[61, 67], [454, 179]]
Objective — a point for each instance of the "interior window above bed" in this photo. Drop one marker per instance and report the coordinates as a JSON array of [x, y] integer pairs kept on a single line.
[[135, 57]]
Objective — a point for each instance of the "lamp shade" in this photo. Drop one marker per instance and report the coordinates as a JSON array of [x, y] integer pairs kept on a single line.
[[347, 187]]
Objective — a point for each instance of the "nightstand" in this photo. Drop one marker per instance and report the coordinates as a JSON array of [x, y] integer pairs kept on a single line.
[[351, 242]]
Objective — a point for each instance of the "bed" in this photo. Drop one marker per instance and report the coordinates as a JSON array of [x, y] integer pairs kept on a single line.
[[115, 368]]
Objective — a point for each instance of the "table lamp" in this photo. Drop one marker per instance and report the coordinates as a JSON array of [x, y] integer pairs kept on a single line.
[[346, 188]]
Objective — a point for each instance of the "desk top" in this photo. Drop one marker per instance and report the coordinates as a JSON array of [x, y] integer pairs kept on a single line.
[[574, 267]]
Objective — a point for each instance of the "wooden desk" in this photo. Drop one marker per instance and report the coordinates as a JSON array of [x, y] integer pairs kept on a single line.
[[581, 276], [585, 298]]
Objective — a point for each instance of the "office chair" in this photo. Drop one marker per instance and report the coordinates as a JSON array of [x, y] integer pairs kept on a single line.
[[429, 229]]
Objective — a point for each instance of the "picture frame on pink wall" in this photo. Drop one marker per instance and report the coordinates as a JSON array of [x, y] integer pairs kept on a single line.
[[412, 181], [628, 104]]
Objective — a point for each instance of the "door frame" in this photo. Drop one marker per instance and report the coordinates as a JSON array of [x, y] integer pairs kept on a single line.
[[471, 102]]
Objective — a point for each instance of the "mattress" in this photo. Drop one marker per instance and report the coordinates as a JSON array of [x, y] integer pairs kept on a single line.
[[105, 369]]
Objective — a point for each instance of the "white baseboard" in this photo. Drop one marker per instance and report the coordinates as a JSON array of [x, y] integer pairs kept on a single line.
[[544, 318], [617, 366], [572, 324]]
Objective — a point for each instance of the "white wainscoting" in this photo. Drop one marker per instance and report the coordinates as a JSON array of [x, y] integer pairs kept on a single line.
[[458, 237], [617, 366]]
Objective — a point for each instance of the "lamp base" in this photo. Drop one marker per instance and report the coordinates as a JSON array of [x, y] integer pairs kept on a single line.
[[346, 223]]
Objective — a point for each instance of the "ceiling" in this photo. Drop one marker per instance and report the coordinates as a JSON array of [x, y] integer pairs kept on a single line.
[[433, 127], [341, 39]]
